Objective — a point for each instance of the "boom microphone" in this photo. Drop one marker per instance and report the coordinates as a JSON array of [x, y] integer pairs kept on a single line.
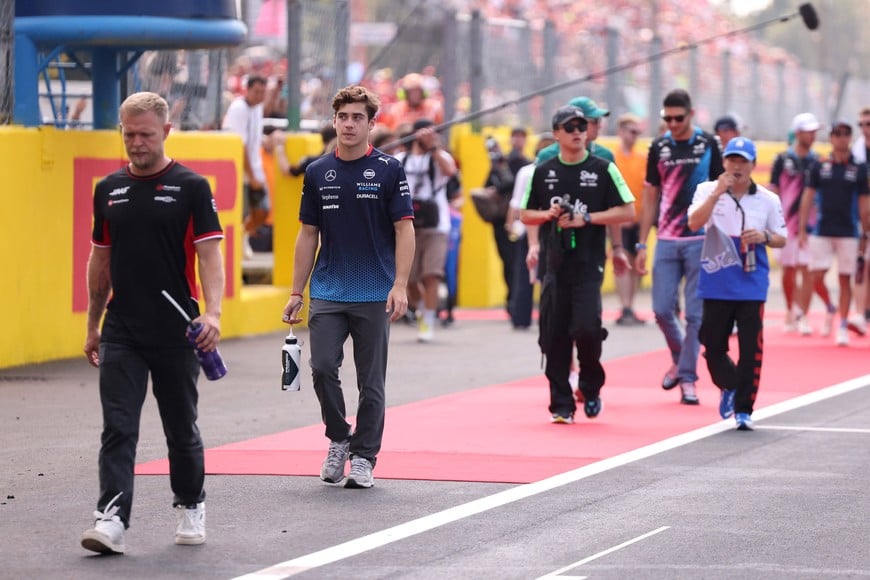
[[809, 16]]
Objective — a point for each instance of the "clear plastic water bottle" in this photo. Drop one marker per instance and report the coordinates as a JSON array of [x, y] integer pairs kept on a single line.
[[212, 362], [291, 356]]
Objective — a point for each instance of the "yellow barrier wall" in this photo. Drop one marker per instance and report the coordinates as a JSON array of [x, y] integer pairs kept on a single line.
[[45, 229]]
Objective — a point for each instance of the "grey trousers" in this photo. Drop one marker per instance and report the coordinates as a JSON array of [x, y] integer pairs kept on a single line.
[[368, 325]]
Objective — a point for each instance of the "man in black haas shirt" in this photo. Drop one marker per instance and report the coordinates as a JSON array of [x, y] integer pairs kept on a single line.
[[152, 220]]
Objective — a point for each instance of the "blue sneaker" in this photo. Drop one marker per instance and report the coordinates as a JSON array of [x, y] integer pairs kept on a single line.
[[726, 403], [593, 407], [744, 422]]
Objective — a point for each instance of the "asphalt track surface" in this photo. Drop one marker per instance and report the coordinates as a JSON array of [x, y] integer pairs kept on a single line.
[[789, 500]]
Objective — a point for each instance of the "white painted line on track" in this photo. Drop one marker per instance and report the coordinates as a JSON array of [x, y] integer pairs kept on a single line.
[[812, 429], [601, 554], [414, 527]]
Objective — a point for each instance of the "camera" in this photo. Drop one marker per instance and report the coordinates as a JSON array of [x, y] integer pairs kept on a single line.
[[565, 205]]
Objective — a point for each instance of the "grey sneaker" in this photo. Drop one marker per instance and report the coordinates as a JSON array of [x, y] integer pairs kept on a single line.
[[689, 396], [107, 535], [191, 524], [332, 470], [360, 475]]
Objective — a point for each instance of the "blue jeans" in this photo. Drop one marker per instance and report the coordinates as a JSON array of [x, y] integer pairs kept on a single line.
[[675, 260]]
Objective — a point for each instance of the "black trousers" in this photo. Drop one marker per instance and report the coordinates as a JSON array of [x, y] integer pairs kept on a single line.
[[506, 249], [575, 319], [368, 325], [716, 324], [124, 374], [520, 306]]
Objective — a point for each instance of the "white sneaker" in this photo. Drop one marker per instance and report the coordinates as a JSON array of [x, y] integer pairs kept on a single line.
[[804, 327], [858, 325], [107, 535], [425, 331], [191, 524], [842, 336], [360, 476], [790, 324], [828, 325]]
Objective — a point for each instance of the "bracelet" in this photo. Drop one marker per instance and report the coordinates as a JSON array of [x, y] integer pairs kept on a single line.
[[639, 246], [299, 294]]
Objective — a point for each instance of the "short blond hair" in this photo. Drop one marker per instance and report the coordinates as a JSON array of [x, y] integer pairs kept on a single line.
[[144, 102]]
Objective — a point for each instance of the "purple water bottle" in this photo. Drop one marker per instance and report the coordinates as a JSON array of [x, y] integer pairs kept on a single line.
[[212, 362]]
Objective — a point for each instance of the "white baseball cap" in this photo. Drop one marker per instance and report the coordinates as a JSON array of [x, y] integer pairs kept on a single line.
[[805, 122]]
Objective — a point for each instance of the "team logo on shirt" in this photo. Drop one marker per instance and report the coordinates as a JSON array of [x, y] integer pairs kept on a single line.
[[119, 191], [162, 187], [369, 173], [588, 179], [386, 160], [330, 175], [165, 198], [665, 153]]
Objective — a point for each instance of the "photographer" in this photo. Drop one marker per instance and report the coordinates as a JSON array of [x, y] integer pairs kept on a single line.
[[501, 178], [571, 200], [428, 168]]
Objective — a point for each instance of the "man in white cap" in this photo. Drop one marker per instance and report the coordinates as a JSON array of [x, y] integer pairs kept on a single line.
[[788, 179]]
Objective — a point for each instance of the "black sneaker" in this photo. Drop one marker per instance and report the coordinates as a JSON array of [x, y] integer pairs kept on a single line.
[[592, 407]]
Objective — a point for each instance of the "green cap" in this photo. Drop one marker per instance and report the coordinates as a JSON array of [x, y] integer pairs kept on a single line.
[[590, 108]]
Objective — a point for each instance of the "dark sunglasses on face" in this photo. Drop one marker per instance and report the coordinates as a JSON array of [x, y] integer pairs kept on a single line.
[[673, 118], [570, 128]]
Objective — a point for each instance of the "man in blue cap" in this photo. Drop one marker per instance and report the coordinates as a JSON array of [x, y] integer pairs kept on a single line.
[[740, 220]]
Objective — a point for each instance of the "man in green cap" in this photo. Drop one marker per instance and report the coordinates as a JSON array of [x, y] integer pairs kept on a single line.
[[594, 114]]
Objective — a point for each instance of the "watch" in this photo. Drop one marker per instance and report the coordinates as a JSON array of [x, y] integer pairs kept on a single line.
[[639, 246], [587, 219]]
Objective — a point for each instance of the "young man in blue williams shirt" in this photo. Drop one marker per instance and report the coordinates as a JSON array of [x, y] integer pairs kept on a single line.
[[740, 219], [358, 238]]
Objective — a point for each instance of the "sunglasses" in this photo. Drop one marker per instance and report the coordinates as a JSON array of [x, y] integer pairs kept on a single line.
[[673, 118], [570, 128]]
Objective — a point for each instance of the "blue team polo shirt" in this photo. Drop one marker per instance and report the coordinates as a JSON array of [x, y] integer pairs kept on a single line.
[[355, 205], [837, 187]]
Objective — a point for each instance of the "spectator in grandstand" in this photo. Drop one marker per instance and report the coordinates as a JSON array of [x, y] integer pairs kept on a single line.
[[837, 187], [676, 163], [244, 117], [415, 103]]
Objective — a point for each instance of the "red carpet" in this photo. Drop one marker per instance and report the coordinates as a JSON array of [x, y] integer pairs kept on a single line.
[[501, 433]]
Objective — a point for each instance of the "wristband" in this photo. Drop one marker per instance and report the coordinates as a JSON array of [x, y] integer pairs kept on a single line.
[[639, 246], [299, 294]]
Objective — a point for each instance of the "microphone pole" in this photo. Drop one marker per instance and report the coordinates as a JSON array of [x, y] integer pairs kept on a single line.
[[806, 12]]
